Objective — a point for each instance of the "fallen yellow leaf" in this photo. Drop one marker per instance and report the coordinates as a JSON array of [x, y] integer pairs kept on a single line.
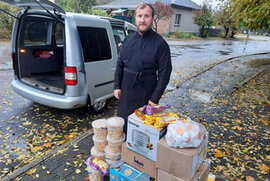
[[30, 172], [78, 171], [220, 168], [249, 178], [47, 145], [218, 153], [27, 123], [253, 134], [36, 148], [264, 168]]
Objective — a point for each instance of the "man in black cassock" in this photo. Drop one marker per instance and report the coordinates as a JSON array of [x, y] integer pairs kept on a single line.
[[144, 66]]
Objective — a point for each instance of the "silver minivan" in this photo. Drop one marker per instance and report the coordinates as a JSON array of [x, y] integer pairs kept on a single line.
[[64, 60]]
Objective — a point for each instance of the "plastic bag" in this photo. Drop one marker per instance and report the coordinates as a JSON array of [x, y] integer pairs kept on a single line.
[[97, 164], [185, 133], [150, 110]]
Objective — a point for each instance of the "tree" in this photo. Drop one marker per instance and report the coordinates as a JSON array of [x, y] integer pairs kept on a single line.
[[6, 21], [255, 14], [162, 11], [100, 12], [77, 6], [204, 18], [226, 18]]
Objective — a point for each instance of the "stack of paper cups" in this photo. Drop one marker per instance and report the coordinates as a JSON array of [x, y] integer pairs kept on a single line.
[[115, 139], [99, 138], [94, 175]]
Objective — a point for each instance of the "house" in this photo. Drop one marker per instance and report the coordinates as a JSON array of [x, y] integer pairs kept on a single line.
[[181, 20]]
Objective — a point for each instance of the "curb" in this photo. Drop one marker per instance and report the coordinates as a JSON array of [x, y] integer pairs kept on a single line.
[[25, 168], [215, 64]]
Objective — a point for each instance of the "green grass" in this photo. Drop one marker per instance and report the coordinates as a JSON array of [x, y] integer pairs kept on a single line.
[[242, 38], [179, 34]]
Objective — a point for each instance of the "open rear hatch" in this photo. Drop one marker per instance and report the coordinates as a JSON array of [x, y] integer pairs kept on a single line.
[[40, 45], [35, 5]]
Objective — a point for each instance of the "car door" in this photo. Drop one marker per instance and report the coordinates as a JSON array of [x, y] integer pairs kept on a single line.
[[100, 55], [40, 5]]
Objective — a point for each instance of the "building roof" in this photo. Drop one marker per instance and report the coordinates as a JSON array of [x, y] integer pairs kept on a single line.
[[131, 4]]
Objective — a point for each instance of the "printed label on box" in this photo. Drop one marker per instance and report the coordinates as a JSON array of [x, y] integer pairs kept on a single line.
[[123, 171], [142, 138], [198, 158]]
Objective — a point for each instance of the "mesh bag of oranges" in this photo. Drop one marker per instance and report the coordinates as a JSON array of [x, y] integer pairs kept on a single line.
[[185, 133]]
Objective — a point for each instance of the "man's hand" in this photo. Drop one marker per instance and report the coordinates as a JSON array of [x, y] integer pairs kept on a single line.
[[117, 93], [151, 103]]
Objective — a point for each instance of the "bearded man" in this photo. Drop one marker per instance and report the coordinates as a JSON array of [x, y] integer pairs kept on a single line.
[[144, 66]]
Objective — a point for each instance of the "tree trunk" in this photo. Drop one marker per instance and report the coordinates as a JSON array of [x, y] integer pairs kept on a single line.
[[226, 31], [156, 24], [232, 35], [201, 31]]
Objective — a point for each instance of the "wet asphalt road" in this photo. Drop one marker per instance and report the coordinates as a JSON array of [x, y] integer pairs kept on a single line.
[[191, 57], [217, 82], [24, 124], [21, 119]]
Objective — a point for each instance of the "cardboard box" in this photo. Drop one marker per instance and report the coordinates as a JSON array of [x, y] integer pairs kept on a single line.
[[142, 138], [124, 172], [182, 163], [138, 162], [201, 174]]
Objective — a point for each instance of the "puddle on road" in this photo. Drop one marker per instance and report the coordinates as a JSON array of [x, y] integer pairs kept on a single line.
[[224, 52], [200, 96], [228, 43], [191, 46]]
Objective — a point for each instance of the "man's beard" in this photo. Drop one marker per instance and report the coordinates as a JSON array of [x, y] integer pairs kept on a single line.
[[142, 32]]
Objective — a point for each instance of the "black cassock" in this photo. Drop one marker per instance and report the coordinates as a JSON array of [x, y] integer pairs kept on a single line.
[[143, 71]]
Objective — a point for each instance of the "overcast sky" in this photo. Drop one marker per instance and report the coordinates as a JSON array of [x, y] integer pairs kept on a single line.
[[199, 2]]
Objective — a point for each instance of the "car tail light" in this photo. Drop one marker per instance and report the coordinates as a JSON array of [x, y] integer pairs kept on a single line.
[[12, 61], [70, 76]]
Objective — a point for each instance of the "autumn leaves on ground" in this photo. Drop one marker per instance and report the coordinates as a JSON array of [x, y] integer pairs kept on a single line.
[[239, 143]]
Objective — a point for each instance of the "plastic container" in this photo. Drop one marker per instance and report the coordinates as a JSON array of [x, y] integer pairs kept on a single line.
[[110, 162], [109, 155], [115, 146], [94, 175], [99, 144], [115, 127], [100, 129], [97, 154]]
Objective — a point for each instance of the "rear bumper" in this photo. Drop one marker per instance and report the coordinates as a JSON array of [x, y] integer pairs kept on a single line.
[[48, 99]]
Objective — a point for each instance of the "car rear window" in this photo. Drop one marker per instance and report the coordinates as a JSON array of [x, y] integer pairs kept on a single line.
[[120, 32], [95, 44], [35, 31]]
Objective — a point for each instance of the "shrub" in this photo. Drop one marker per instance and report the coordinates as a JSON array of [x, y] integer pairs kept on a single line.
[[179, 34]]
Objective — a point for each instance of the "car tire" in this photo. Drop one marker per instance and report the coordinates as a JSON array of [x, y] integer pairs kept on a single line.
[[97, 108]]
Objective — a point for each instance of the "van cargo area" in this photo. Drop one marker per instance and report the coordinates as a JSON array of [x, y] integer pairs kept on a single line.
[[40, 57]]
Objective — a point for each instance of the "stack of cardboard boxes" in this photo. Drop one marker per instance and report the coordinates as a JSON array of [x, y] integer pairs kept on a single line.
[[147, 151]]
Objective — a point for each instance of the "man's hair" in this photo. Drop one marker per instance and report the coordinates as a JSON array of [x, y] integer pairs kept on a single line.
[[144, 5]]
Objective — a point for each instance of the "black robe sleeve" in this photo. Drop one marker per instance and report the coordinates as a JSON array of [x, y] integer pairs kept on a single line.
[[164, 71], [118, 72]]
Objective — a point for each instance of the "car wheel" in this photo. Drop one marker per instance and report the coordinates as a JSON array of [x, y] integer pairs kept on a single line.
[[98, 107]]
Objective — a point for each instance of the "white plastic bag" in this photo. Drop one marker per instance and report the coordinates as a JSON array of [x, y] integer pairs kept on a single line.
[[185, 133]]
